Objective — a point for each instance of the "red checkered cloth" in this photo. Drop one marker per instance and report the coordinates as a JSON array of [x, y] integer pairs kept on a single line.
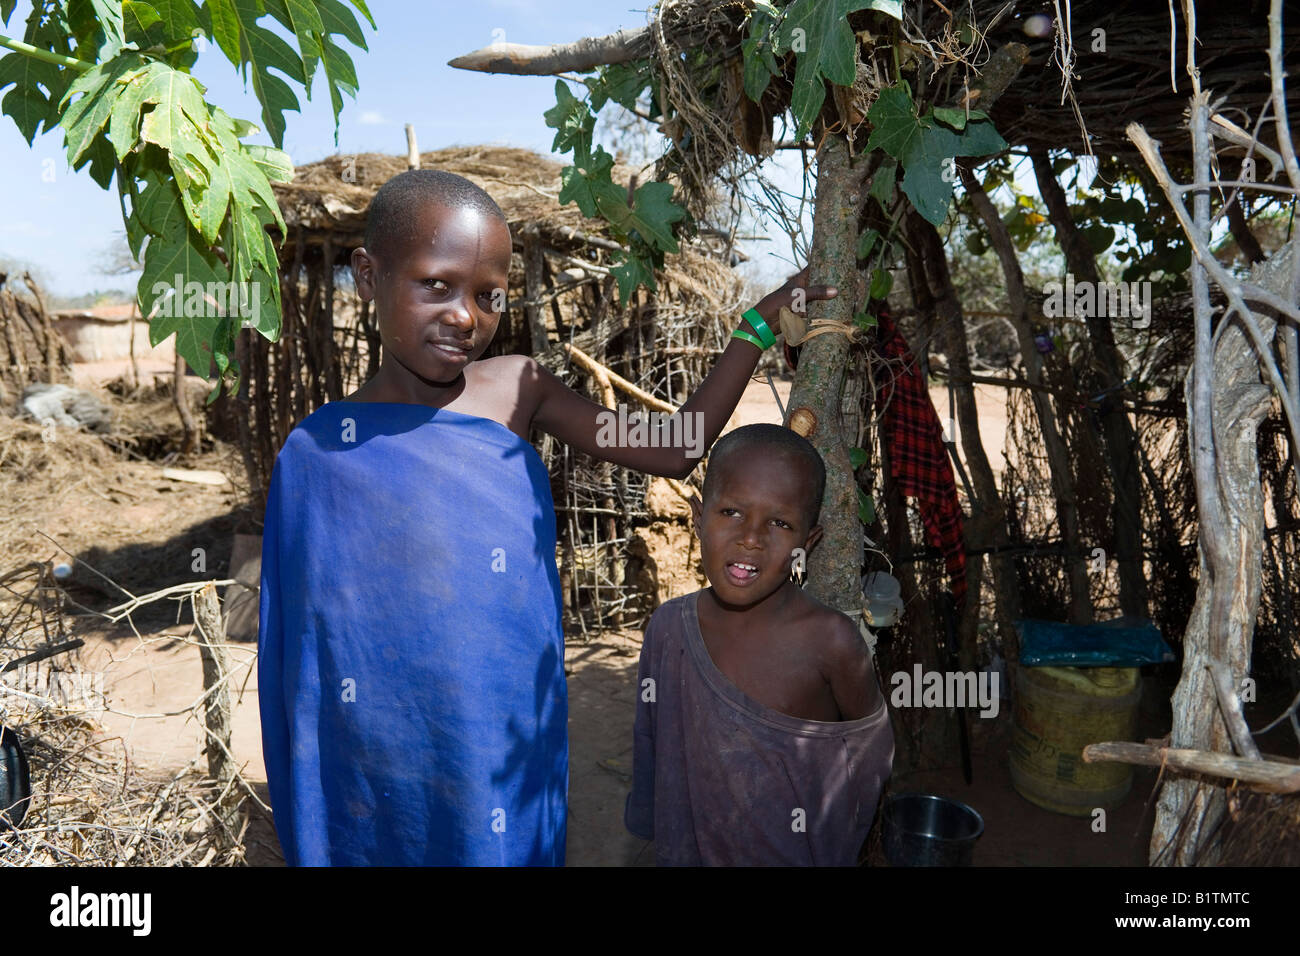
[[918, 460]]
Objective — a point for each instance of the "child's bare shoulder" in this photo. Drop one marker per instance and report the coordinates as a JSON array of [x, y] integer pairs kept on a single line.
[[830, 632], [514, 376], [828, 635]]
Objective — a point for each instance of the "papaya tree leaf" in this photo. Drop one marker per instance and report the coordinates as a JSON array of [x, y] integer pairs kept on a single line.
[[89, 101], [826, 49], [260, 52], [177, 305]]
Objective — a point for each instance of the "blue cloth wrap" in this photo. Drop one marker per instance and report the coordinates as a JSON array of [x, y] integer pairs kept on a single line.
[[410, 668]]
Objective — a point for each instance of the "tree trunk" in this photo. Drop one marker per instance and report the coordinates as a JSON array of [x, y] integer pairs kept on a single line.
[[1120, 440], [816, 409], [1226, 401]]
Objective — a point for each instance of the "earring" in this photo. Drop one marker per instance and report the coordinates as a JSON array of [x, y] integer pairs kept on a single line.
[[798, 566]]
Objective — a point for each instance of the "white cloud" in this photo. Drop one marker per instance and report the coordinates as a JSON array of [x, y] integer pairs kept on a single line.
[[371, 118]]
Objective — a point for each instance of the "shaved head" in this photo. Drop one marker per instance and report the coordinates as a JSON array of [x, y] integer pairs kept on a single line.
[[732, 448], [392, 221]]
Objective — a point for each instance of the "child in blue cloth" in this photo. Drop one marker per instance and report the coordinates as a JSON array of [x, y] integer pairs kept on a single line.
[[411, 659]]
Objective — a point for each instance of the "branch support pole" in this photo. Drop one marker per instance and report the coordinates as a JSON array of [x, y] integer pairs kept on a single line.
[[816, 409]]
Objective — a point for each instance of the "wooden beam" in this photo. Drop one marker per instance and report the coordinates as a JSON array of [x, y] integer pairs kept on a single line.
[[605, 377], [1266, 776], [579, 56]]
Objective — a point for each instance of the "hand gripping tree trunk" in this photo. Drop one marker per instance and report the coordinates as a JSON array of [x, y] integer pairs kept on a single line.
[[816, 409]]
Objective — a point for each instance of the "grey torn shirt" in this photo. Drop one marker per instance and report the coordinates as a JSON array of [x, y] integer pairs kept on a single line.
[[719, 779]]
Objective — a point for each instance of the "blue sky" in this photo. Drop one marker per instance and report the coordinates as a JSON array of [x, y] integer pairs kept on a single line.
[[63, 226]]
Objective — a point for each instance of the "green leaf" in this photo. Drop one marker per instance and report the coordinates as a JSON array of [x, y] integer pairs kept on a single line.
[[927, 151], [957, 118], [587, 182], [222, 23], [103, 164], [756, 51], [98, 91], [652, 216], [143, 25], [339, 21], [857, 457], [26, 104], [264, 51], [360, 5], [180, 19], [881, 283], [300, 18], [1099, 237], [954, 118], [826, 49], [573, 123], [882, 184], [632, 272], [177, 123], [179, 250], [274, 163], [98, 27], [621, 82], [154, 203], [867, 242], [866, 508], [33, 103], [894, 124], [240, 178], [256, 263], [865, 321], [341, 76]]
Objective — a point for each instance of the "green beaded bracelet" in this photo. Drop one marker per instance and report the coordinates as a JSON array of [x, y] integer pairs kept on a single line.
[[760, 326], [742, 334]]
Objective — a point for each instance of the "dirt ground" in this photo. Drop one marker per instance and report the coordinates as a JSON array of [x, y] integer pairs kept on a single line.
[[142, 530]]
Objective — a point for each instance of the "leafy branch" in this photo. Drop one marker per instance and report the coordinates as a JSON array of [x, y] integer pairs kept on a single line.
[[641, 218], [196, 200]]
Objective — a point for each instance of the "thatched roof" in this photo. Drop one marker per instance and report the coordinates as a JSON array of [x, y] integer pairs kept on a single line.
[[1129, 81], [331, 196]]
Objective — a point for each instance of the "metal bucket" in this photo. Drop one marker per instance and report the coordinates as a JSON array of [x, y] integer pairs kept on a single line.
[[921, 829]]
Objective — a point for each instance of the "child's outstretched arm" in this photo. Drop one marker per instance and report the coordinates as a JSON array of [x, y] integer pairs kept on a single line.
[[576, 420]]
